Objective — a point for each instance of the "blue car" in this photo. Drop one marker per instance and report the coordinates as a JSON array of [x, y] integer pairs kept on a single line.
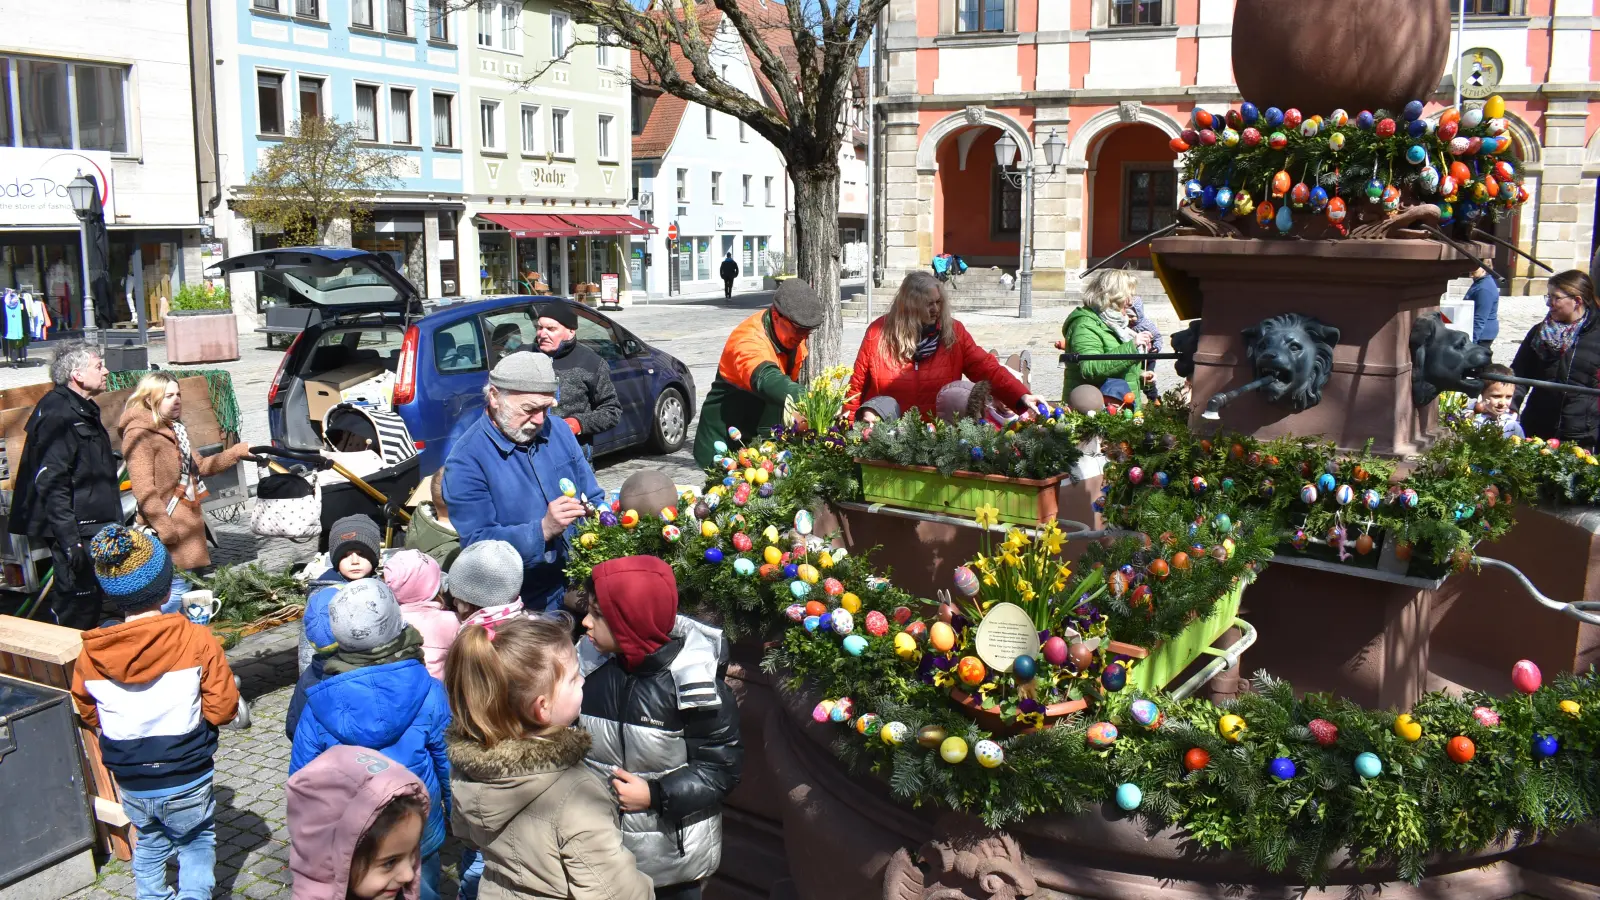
[[373, 332]]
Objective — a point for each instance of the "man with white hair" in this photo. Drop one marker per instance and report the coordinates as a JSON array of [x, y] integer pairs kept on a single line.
[[67, 486], [517, 475]]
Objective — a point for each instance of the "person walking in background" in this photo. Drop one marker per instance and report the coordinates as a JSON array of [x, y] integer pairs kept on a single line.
[[67, 484], [165, 474], [586, 399], [1564, 348], [356, 819], [1484, 295], [910, 354], [157, 687], [729, 271]]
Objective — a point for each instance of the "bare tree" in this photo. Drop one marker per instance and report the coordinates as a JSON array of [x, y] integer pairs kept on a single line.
[[805, 54], [316, 176]]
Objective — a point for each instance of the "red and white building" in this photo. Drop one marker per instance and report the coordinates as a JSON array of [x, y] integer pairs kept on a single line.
[[1114, 80]]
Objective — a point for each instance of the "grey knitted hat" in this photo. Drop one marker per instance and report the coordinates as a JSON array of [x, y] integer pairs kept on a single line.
[[797, 302], [526, 373], [355, 534], [488, 573], [364, 614]]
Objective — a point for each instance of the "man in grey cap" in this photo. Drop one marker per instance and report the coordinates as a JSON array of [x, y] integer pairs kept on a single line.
[[759, 370], [517, 475]]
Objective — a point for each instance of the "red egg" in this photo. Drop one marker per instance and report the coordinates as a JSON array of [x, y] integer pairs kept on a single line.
[[1202, 118], [1385, 128], [1207, 137], [1178, 146], [833, 587], [1280, 184], [1525, 676], [902, 614], [1292, 118], [816, 608], [1504, 171], [917, 630], [1461, 749], [1250, 136], [742, 542], [877, 624], [1055, 651], [1196, 759], [1491, 186], [1299, 196], [1336, 211], [1180, 560]]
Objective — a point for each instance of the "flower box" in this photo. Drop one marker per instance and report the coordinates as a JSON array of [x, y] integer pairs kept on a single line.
[[972, 706], [1021, 501], [1154, 668]]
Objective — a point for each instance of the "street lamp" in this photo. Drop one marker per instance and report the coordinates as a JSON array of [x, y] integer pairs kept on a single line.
[[1005, 155], [81, 191]]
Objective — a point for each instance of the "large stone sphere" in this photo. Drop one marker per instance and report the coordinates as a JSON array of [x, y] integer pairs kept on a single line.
[[648, 492]]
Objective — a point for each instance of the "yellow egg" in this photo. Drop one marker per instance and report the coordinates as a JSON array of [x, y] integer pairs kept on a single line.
[[1571, 708], [953, 750], [708, 529], [942, 636], [1231, 727], [771, 534], [809, 574], [1494, 107], [905, 646], [850, 603], [761, 476], [772, 555], [825, 560], [588, 539], [750, 474], [1407, 729]]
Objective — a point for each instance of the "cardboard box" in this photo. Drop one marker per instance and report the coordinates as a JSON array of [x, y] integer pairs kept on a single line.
[[327, 390]]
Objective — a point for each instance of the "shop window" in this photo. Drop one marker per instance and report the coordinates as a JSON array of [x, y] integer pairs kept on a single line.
[[981, 15], [444, 120], [269, 102], [560, 143], [458, 348], [1150, 201], [367, 112], [749, 267], [400, 116], [361, 13], [1005, 213], [686, 260], [1136, 12], [509, 331], [763, 267], [702, 255], [397, 17], [6, 137], [438, 21]]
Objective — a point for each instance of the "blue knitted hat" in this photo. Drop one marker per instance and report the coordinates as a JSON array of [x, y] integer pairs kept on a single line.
[[134, 571]]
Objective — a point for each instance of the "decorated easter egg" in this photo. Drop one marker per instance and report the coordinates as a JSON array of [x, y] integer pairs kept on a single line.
[[971, 671], [1416, 154], [843, 621], [1472, 118], [850, 601], [1338, 118], [867, 723], [1278, 140], [796, 612], [1494, 107], [953, 750], [989, 754], [1024, 668], [1193, 189], [588, 539], [1336, 210], [1310, 128], [854, 644], [1080, 654], [1485, 716], [1413, 110], [1344, 495], [1115, 677], [742, 542], [1368, 765], [1055, 650], [713, 555], [1460, 749], [1459, 146], [1267, 487], [799, 589], [1385, 127], [1198, 484], [1570, 708], [1273, 117], [877, 624], [1224, 197], [823, 711], [1546, 746], [1407, 729], [1195, 759], [630, 519], [942, 636], [744, 567], [1284, 220], [1248, 112], [1300, 195], [1180, 561], [1282, 768], [1129, 796], [791, 570], [1292, 118], [1101, 734], [1162, 480], [1504, 171], [1325, 733], [808, 573], [931, 736], [1250, 137], [1429, 177], [1135, 475], [901, 614], [1525, 676], [1365, 121], [1371, 499], [905, 646], [1408, 498], [1308, 494], [803, 522], [842, 710], [1280, 183], [734, 435], [1336, 141], [833, 587], [917, 630], [1231, 727], [1228, 138], [966, 581], [894, 733], [1146, 713]]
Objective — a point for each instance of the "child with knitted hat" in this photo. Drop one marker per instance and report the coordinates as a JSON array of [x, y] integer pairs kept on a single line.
[[378, 694], [355, 550], [486, 583], [157, 687], [418, 582]]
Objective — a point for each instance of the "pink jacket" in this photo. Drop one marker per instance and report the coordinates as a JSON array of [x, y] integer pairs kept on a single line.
[[332, 803], [415, 577]]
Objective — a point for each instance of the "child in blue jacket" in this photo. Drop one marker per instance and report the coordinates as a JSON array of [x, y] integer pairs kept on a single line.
[[377, 693]]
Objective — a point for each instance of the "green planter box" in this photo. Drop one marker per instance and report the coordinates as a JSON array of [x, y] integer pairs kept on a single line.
[[1021, 501], [1167, 660]]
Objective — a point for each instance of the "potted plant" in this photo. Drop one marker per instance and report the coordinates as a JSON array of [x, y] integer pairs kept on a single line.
[[201, 328]]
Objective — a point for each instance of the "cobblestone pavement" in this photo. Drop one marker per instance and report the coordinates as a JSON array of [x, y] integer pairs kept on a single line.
[[252, 849]]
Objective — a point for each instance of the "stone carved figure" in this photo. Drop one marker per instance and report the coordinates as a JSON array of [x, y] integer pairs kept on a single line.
[[1297, 351], [977, 865], [1443, 359]]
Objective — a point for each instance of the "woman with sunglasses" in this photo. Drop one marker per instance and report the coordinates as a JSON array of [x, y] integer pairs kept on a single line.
[[1564, 348]]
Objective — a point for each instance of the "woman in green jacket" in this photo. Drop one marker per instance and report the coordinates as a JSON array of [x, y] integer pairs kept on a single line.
[[1101, 326]]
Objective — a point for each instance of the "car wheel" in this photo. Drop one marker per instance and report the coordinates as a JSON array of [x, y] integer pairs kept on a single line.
[[671, 421]]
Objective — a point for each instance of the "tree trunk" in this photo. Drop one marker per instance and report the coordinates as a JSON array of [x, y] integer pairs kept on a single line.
[[816, 200]]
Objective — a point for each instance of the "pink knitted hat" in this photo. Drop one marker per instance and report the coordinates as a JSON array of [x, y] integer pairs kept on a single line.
[[414, 576]]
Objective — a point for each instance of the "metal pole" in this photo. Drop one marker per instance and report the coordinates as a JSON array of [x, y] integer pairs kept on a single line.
[[1025, 276], [1461, 44], [91, 331], [872, 169]]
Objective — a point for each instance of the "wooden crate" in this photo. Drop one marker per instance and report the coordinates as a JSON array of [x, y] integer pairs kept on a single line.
[[45, 654], [1021, 501]]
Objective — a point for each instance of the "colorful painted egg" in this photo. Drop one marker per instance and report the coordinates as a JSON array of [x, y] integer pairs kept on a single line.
[[1338, 118], [953, 750], [942, 636], [843, 621], [1472, 118], [803, 522], [1371, 499], [1265, 213], [989, 754], [1198, 484], [1486, 717], [1416, 154], [1282, 768], [799, 589], [1364, 120], [842, 711], [1146, 713], [866, 723], [1278, 140], [1280, 183], [1267, 487], [1055, 650], [1231, 727], [1546, 746], [877, 624], [1336, 141], [1391, 198], [1101, 734], [671, 533], [1336, 210], [1430, 179], [894, 733], [1459, 146], [823, 711], [1135, 475], [1408, 498], [833, 587], [1298, 540], [1129, 796], [630, 519], [850, 601], [854, 644], [1460, 749], [1162, 480], [1300, 195], [1224, 197], [1308, 494], [1195, 759], [1248, 112], [1229, 137], [1385, 127], [905, 646], [1310, 127], [1525, 676], [1115, 677], [1368, 765], [1250, 137], [971, 671], [1344, 495], [901, 614], [917, 630], [931, 736], [966, 581], [1504, 171], [744, 567]]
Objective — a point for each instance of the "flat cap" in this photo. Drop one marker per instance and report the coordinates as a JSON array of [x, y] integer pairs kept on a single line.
[[797, 302]]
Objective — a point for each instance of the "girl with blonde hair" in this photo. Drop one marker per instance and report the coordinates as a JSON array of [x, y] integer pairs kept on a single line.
[[165, 472], [1100, 326], [918, 348]]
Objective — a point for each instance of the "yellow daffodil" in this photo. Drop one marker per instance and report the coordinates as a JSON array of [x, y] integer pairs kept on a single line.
[[1017, 538], [990, 580], [1011, 559], [1053, 541], [980, 562], [987, 516], [1027, 592]]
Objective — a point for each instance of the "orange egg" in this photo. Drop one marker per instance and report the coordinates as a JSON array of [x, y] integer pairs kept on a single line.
[[942, 636], [971, 671], [1180, 561]]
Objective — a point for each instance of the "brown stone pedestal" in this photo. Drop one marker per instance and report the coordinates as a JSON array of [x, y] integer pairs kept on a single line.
[[1369, 290]]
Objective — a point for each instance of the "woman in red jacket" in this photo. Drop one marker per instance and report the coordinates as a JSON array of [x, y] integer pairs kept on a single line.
[[918, 348]]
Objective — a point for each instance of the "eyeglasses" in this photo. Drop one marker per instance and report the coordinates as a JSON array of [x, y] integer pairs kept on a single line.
[[1551, 298]]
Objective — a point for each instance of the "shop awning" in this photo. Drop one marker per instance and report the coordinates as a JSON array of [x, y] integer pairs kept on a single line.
[[612, 224], [531, 225]]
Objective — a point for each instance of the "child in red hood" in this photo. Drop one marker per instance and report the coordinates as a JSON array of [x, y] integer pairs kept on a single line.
[[355, 827], [664, 725]]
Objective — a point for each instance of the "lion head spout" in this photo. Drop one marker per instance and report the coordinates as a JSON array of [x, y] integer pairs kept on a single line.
[[1297, 351]]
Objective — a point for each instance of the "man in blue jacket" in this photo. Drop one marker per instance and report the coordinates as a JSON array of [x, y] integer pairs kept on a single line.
[[507, 473], [1484, 295]]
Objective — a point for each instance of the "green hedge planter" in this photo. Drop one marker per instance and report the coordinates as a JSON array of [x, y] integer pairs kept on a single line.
[[1021, 501]]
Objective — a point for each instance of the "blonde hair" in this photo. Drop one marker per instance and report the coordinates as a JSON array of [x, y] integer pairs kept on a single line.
[[1109, 288], [492, 681], [149, 393], [902, 327]]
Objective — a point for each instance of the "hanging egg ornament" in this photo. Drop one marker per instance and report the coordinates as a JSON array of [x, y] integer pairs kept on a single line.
[[1224, 198], [1284, 221], [953, 750], [1374, 190], [966, 581], [1300, 195], [1280, 183], [1243, 203], [989, 754], [1336, 210], [1129, 796], [1198, 484], [1201, 117], [1318, 198], [1336, 141], [1178, 145], [1193, 190], [1146, 713], [1368, 765], [1472, 118], [1495, 127], [803, 522], [1525, 676], [1504, 171], [1101, 735], [1265, 214], [1364, 544], [1195, 759], [1267, 488], [1429, 176], [1278, 140], [1282, 768], [1310, 127], [1416, 154], [1459, 145]]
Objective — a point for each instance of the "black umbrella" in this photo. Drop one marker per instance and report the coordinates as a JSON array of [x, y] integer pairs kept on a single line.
[[99, 260]]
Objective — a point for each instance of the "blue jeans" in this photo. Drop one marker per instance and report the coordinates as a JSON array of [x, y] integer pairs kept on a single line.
[[471, 874], [184, 823], [174, 603], [429, 888]]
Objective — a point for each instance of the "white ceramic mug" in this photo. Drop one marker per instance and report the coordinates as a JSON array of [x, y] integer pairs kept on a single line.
[[200, 606]]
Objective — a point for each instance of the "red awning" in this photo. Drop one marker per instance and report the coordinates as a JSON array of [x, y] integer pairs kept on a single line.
[[531, 226], [608, 224]]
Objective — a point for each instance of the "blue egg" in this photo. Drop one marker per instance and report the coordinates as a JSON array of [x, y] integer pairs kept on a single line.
[[1024, 668], [1225, 198], [799, 589], [1208, 199], [744, 566], [1325, 482], [727, 482], [854, 644], [1249, 113], [1368, 765], [1281, 768], [1284, 220], [1416, 154], [1193, 189], [1319, 198], [1223, 523], [1365, 121], [812, 623], [1162, 480], [1129, 796], [720, 447], [791, 571], [1274, 117], [713, 555], [1413, 110], [1546, 746], [1114, 678], [1417, 128]]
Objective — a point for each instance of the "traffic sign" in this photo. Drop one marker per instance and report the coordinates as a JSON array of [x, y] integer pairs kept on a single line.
[[672, 232]]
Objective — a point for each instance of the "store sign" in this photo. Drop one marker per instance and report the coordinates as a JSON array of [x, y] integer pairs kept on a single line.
[[548, 179], [33, 184]]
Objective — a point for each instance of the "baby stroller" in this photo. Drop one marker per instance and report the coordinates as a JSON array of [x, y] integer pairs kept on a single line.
[[367, 459]]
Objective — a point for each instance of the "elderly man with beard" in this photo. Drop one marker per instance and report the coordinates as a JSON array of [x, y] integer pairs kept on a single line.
[[518, 475]]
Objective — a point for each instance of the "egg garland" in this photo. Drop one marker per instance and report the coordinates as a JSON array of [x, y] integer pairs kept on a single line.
[[1129, 796]]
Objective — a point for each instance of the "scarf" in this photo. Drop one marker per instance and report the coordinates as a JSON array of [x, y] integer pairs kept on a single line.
[[929, 344], [407, 646], [1117, 321], [189, 486], [491, 615], [1558, 336]]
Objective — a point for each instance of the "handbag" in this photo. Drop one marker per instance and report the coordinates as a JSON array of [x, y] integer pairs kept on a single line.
[[288, 505]]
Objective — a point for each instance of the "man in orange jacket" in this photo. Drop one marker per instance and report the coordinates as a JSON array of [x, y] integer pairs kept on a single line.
[[759, 369]]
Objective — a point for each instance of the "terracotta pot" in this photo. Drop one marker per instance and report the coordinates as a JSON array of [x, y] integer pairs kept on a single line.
[[1339, 54]]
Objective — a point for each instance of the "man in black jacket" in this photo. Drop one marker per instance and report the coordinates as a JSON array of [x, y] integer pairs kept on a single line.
[[67, 487], [729, 271], [586, 400]]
